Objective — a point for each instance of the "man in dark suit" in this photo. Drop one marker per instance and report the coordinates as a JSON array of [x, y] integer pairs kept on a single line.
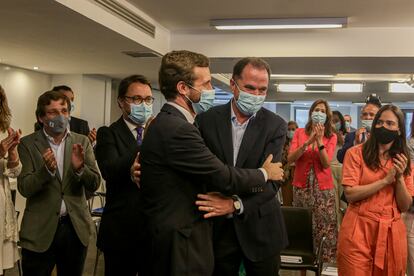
[[243, 133], [76, 124], [177, 165], [368, 112], [58, 167], [121, 232]]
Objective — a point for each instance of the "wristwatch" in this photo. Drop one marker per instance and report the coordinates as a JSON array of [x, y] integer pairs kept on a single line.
[[321, 147], [236, 204]]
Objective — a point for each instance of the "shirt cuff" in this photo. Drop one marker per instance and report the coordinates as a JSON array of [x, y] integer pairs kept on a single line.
[[79, 173], [51, 173], [266, 177]]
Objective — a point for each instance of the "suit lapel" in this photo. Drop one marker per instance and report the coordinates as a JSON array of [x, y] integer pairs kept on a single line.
[[125, 134], [223, 123], [67, 162], [41, 145], [249, 139]]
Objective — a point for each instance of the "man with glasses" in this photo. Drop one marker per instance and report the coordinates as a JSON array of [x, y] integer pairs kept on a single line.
[[242, 133], [121, 232]]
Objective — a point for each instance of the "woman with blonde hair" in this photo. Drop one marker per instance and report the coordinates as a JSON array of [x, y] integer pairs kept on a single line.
[[10, 166], [312, 150]]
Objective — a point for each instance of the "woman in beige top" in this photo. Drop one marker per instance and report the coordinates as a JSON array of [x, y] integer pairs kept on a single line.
[[10, 166]]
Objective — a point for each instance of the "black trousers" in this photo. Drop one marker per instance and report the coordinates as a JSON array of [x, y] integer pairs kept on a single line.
[[124, 262], [66, 252], [228, 255]]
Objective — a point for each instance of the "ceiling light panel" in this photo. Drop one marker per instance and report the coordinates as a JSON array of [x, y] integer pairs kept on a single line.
[[279, 23], [347, 87]]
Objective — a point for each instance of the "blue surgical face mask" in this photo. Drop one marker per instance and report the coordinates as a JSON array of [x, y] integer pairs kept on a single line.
[[140, 113], [367, 124], [338, 126], [318, 117], [58, 124], [206, 100], [347, 124], [290, 134], [247, 103]]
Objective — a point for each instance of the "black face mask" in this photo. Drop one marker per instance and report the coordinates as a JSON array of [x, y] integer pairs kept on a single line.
[[385, 136]]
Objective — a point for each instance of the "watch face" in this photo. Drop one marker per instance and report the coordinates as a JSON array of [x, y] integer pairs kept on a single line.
[[237, 205]]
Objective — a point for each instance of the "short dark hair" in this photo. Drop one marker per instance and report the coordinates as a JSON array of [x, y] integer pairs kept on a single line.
[[61, 88], [178, 66], [374, 100], [126, 82], [45, 100], [253, 61]]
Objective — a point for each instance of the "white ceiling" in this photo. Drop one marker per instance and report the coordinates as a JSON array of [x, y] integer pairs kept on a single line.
[[59, 40], [187, 15]]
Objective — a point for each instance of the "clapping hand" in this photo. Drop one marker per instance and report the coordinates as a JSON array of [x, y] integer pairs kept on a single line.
[[92, 135], [319, 130], [50, 160], [78, 157], [8, 144], [400, 164]]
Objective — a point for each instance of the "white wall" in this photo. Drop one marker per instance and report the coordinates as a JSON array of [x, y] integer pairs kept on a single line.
[[90, 96], [22, 88]]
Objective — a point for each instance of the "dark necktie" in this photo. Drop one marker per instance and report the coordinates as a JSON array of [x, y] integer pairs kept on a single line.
[[139, 135]]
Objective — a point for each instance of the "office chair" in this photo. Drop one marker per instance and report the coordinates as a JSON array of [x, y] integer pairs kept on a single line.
[[298, 223]]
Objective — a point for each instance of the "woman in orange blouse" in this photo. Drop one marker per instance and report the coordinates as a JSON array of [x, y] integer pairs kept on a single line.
[[378, 184], [312, 150]]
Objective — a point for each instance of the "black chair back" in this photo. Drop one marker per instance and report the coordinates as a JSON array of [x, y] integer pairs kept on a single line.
[[298, 223]]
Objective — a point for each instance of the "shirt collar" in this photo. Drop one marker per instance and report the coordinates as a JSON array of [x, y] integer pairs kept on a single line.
[[130, 125], [51, 140], [188, 116]]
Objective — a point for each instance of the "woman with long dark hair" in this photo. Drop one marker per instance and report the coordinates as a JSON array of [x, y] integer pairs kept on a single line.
[[378, 185], [10, 166], [312, 150]]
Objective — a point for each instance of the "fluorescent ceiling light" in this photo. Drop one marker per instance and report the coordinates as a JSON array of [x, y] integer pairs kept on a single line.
[[293, 76], [347, 87], [279, 23], [396, 87], [297, 88], [318, 84], [290, 87]]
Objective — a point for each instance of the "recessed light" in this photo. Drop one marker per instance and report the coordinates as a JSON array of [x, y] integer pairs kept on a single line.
[[35, 68]]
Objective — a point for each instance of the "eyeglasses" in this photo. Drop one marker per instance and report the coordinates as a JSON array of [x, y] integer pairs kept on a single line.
[[139, 100]]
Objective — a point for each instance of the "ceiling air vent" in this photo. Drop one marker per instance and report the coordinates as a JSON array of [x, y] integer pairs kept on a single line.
[[127, 15], [142, 54]]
